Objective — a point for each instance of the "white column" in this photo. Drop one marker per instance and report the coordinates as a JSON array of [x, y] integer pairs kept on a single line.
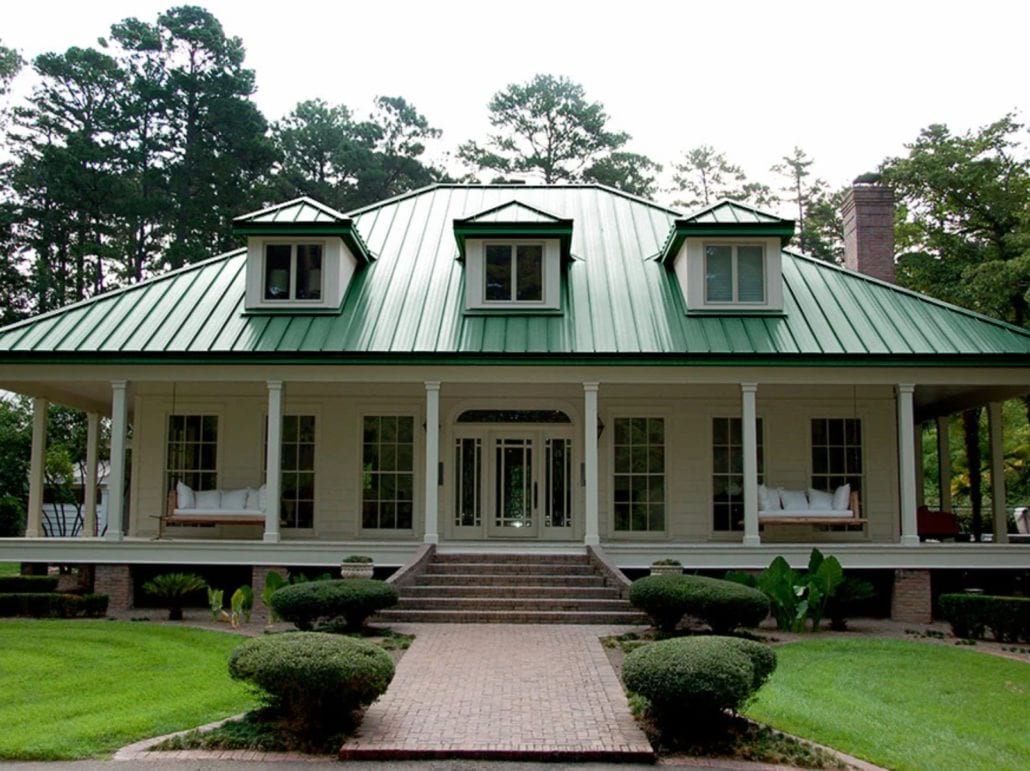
[[273, 460], [917, 451], [37, 467], [432, 504], [944, 461], [749, 432], [907, 464], [592, 529], [89, 504], [116, 477], [1001, 516]]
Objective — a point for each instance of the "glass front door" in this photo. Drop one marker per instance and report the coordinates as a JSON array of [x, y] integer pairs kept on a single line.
[[516, 493]]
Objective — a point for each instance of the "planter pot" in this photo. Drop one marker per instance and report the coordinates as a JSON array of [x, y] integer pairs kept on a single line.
[[666, 570], [357, 569]]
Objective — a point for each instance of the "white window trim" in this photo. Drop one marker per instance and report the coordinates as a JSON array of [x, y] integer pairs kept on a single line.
[[293, 244], [475, 276], [418, 465], [690, 271], [609, 421]]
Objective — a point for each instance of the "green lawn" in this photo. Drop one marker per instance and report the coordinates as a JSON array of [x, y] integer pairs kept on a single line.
[[81, 689], [10, 568], [903, 705]]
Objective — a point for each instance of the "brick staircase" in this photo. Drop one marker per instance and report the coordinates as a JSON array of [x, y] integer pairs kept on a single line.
[[514, 589]]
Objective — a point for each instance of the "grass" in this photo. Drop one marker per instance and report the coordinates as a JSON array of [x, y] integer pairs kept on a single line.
[[10, 568], [82, 689], [900, 704]]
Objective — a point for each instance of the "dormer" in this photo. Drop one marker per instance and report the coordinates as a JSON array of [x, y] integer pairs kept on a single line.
[[727, 258], [301, 256], [513, 256]]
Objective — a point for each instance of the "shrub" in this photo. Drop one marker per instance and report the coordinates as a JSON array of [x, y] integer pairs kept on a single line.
[[971, 615], [697, 677], [851, 592], [12, 517], [313, 679], [273, 582], [668, 562], [794, 596], [95, 605], [354, 599], [357, 558], [174, 588], [52, 605], [26, 584], [723, 605]]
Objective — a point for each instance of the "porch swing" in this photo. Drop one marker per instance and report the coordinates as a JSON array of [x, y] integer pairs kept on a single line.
[[207, 508]]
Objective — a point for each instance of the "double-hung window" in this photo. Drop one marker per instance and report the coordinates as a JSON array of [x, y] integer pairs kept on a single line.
[[728, 472], [297, 470], [192, 455], [836, 453], [734, 273], [514, 273], [293, 272], [388, 472], [639, 474]]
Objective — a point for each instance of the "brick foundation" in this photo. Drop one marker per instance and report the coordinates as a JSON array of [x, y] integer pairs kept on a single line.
[[911, 600], [258, 576], [116, 582]]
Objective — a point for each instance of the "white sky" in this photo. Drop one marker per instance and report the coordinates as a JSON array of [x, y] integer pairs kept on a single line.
[[848, 81]]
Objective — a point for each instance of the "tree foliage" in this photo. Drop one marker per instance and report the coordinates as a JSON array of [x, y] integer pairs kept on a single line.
[[705, 175]]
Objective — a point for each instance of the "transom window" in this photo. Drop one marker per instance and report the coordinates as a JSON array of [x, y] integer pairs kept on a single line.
[[728, 472], [388, 478], [193, 451], [836, 453], [514, 273], [293, 272], [734, 273], [639, 474]]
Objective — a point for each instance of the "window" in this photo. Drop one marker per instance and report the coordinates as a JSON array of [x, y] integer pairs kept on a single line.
[[468, 484], [734, 273], [388, 462], [514, 273], [728, 472], [836, 453], [558, 482], [297, 507], [639, 471], [293, 272], [193, 451]]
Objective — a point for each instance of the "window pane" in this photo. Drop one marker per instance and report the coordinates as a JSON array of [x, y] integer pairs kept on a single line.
[[388, 480], [498, 272], [192, 451], [750, 274], [530, 260], [309, 271], [718, 274], [277, 272], [639, 479]]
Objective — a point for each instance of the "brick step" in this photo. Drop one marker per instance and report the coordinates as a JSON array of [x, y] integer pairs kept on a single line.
[[511, 603], [509, 579], [511, 617], [471, 590], [509, 568], [537, 558]]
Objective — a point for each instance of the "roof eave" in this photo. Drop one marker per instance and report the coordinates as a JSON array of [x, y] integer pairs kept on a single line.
[[561, 229], [343, 229], [684, 229]]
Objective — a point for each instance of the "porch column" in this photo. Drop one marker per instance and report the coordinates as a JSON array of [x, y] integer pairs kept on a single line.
[[907, 464], [592, 529], [749, 435], [116, 476], [432, 461], [944, 461], [917, 451], [1000, 510], [89, 516], [273, 461], [37, 465]]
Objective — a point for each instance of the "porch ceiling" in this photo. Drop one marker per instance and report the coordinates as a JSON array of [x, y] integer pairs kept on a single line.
[[937, 400]]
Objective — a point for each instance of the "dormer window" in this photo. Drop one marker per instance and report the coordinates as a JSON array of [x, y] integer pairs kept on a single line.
[[514, 273], [734, 273], [293, 272]]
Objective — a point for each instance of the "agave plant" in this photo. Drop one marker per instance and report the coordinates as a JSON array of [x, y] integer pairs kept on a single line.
[[173, 588]]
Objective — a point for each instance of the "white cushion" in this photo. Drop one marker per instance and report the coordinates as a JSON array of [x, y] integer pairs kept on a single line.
[[820, 500], [252, 499], [793, 500], [209, 499], [262, 497], [806, 514], [842, 498], [768, 499], [234, 500], [184, 498]]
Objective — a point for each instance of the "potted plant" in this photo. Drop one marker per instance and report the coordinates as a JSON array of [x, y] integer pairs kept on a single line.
[[357, 566], [173, 589], [668, 567]]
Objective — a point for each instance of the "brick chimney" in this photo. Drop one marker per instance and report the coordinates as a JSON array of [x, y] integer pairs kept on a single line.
[[868, 214]]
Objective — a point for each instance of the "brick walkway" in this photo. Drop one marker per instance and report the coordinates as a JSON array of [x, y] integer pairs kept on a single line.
[[502, 691]]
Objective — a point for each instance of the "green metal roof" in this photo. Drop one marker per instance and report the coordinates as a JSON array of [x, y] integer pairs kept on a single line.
[[725, 218], [514, 219], [620, 304], [301, 210], [302, 217]]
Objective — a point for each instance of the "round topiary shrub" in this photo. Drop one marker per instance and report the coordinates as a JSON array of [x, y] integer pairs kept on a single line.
[[723, 605], [694, 678], [353, 599], [313, 680]]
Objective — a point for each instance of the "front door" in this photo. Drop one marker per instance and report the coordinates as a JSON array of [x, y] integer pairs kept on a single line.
[[514, 500]]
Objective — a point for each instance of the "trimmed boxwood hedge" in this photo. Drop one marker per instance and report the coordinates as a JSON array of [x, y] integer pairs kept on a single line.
[[971, 615], [696, 677], [313, 680], [52, 605], [26, 584], [723, 605], [353, 599]]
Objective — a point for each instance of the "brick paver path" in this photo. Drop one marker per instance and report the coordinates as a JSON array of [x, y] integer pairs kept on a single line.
[[502, 691]]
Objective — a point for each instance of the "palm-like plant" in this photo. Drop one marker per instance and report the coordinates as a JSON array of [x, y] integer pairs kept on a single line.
[[173, 588]]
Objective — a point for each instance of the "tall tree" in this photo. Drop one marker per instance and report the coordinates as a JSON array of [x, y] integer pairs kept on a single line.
[[630, 172], [705, 175], [13, 285], [823, 230], [801, 189], [399, 133], [548, 129]]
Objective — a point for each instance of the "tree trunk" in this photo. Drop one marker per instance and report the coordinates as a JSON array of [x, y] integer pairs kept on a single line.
[[971, 431]]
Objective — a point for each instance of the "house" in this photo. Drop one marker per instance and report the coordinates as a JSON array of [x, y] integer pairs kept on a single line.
[[521, 369], [66, 518]]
